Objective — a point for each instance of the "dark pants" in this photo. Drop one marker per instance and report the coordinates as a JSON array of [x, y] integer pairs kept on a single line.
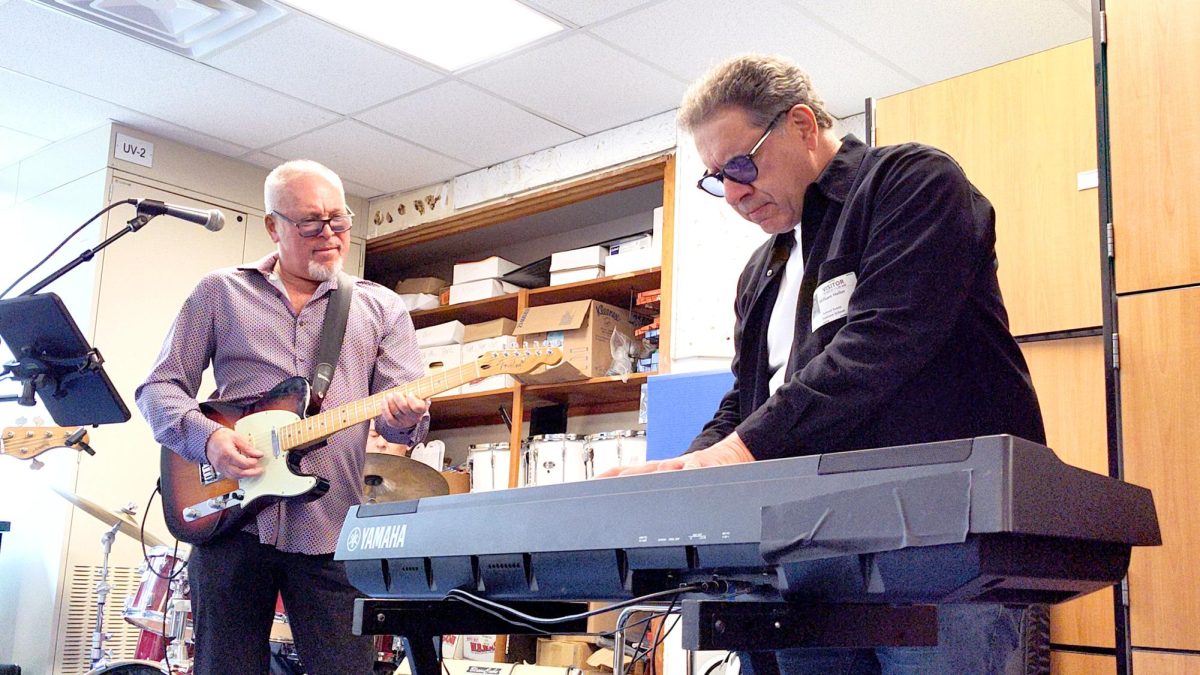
[[234, 582]]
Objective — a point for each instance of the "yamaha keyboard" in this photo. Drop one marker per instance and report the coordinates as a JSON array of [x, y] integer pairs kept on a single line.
[[990, 519]]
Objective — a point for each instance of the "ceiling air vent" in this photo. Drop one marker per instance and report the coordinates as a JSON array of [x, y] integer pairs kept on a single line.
[[193, 28]]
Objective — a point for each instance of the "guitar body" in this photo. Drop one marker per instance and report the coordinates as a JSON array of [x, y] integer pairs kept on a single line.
[[186, 485]]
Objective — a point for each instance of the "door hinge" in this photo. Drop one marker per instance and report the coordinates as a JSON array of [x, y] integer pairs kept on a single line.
[[1108, 233], [1116, 352], [1103, 27]]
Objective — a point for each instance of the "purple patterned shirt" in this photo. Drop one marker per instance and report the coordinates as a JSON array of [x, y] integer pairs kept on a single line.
[[241, 321]]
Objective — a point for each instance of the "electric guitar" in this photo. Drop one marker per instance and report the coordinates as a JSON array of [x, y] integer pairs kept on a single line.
[[199, 504], [29, 442]]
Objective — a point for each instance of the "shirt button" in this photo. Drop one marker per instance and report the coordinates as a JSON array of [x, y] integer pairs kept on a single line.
[[770, 272]]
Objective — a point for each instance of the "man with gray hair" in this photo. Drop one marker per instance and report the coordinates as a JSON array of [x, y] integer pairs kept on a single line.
[[872, 317], [257, 325]]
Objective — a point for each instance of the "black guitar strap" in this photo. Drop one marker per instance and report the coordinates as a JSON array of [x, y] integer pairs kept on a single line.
[[332, 334]]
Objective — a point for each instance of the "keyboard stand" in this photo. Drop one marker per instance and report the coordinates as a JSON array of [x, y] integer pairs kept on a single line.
[[422, 623]]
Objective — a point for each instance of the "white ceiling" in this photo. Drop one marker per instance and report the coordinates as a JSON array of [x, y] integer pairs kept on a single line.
[[388, 123]]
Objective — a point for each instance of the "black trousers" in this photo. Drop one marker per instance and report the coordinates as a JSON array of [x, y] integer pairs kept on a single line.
[[234, 581]]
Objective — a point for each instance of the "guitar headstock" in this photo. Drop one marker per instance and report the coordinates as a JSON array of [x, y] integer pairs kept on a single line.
[[29, 442], [518, 360]]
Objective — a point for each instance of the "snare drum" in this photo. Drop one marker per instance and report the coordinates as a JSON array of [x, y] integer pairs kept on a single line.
[[611, 449], [489, 466], [147, 609], [141, 667], [555, 458], [281, 628]]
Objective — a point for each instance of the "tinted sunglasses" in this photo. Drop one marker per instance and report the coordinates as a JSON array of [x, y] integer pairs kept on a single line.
[[739, 168]]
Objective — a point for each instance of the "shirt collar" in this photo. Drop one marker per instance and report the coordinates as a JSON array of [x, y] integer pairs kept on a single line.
[[837, 177], [266, 266]]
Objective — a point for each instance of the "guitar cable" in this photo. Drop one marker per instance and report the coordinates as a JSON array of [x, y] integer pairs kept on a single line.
[[170, 577]]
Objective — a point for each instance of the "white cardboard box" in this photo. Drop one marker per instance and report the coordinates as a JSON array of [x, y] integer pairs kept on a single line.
[[488, 268], [449, 333], [416, 301], [472, 351], [632, 261], [571, 276], [442, 358], [481, 289], [632, 244], [588, 256]]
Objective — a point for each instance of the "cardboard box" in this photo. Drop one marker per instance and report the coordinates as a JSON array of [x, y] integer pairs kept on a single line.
[[588, 256], [449, 333], [488, 268], [417, 301], [481, 289], [634, 243], [583, 328], [488, 329], [460, 666], [442, 358], [473, 350], [578, 274], [632, 261], [567, 653], [479, 647], [427, 285]]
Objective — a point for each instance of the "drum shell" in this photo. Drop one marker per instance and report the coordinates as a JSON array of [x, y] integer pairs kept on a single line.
[[555, 458], [612, 449]]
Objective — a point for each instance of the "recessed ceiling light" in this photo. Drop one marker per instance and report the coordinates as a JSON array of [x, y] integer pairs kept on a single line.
[[450, 34]]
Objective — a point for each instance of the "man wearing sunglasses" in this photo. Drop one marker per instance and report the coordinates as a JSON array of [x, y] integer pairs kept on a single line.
[[257, 325], [871, 317]]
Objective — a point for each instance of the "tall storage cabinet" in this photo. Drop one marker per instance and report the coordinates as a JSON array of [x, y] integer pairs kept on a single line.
[[1153, 68]]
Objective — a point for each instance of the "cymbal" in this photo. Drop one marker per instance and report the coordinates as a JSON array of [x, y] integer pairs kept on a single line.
[[392, 478], [127, 525]]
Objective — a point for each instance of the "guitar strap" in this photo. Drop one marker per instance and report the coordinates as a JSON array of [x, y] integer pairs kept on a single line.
[[332, 334]]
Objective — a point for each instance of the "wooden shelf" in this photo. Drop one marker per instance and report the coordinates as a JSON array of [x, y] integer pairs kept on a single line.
[[618, 290], [470, 410], [589, 397], [504, 306]]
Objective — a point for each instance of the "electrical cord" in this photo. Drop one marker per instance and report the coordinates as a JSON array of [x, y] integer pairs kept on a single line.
[[459, 594], [170, 577], [64, 243]]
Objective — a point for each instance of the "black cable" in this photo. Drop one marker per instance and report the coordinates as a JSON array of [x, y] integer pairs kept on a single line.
[[474, 602], [64, 242], [460, 594], [170, 577], [649, 652]]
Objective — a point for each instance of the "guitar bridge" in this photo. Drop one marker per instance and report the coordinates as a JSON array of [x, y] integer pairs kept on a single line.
[[213, 505]]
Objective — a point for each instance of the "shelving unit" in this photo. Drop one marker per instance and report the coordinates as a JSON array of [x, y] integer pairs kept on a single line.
[[476, 233]]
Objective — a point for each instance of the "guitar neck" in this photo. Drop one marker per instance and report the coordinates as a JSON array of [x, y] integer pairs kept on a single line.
[[328, 422]]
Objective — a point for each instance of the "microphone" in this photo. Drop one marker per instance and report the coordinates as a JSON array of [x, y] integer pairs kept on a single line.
[[212, 220]]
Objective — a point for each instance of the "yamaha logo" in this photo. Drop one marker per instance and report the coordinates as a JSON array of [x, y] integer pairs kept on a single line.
[[353, 539], [375, 538]]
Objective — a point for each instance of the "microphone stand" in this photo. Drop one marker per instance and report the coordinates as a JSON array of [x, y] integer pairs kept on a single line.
[[133, 225]]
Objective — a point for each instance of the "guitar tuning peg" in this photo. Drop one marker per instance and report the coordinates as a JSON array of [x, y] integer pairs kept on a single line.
[[525, 345], [38, 421], [35, 464], [21, 421]]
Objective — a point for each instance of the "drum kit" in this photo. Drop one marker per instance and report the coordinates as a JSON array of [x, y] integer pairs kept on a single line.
[[161, 606]]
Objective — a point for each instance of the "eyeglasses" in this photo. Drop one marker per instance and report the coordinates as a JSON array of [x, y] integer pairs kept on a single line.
[[739, 168], [314, 226]]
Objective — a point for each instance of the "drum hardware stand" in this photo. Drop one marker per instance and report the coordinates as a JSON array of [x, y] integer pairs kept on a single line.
[[176, 627], [99, 657]]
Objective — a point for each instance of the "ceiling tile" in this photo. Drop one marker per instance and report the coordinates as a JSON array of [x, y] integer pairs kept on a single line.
[[463, 122], [990, 33], [370, 157], [581, 83], [665, 34], [585, 12], [338, 71], [364, 191], [265, 160], [16, 144], [70, 52], [61, 113]]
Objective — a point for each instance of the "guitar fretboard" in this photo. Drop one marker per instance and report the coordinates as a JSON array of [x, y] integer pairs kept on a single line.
[[328, 422]]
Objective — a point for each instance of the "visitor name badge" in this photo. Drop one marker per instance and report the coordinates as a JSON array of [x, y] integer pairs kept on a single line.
[[831, 301]]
